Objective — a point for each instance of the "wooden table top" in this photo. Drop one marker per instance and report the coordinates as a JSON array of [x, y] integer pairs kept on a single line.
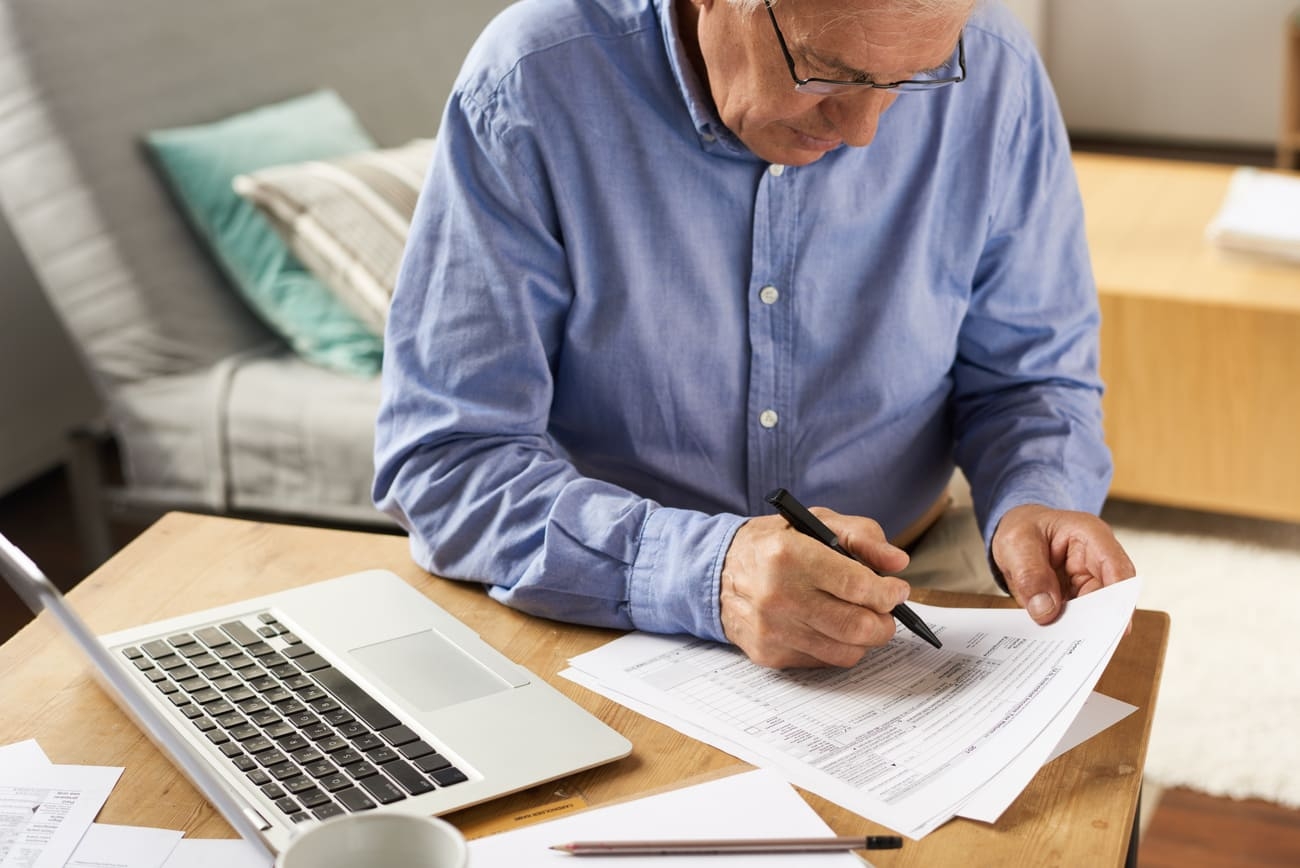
[[1082, 803], [1146, 222]]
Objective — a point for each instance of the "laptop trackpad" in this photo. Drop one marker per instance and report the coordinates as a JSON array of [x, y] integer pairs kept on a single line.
[[428, 670]]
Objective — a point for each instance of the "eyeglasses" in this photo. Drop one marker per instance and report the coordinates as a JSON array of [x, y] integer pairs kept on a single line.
[[824, 86]]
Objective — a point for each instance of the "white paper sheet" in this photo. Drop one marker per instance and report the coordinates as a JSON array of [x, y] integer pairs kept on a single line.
[[216, 853], [22, 755], [44, 811], [106, 846], [756, 804], [908, 735]]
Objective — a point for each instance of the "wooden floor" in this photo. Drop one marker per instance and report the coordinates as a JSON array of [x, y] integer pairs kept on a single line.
[[1186, 830]]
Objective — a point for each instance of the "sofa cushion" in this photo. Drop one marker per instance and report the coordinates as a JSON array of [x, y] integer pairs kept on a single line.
[[265, 433], [199, 163], [83, 79], [347, 219]]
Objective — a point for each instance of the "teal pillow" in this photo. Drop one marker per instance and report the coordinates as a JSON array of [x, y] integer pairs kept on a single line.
[[199, 163]]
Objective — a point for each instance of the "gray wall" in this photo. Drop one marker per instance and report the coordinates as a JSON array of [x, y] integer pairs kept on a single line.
[[43, 389], [1196, 71]]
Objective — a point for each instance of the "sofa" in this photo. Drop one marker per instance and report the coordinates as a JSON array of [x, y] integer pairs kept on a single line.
[[206, 407]]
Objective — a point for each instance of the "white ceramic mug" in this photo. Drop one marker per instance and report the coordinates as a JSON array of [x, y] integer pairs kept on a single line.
[[390, 840]]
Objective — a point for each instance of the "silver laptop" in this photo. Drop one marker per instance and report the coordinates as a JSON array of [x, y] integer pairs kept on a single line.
[[352, 694]]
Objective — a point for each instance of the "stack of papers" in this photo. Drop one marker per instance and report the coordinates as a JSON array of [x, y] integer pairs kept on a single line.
[[47, 813], [910, 737], [1260, 214]]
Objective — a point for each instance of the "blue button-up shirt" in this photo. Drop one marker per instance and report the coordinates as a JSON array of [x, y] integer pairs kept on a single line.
[[616, 329]]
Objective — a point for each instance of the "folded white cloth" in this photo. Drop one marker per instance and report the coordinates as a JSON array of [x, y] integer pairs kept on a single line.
[[1260, 214]]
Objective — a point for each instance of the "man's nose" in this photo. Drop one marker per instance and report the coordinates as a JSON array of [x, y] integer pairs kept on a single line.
[[856, 116]]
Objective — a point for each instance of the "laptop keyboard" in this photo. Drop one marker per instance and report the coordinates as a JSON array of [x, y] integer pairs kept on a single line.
[[309, 737]]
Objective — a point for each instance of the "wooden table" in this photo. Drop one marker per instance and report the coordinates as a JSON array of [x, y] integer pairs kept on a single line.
[[1080, 808], [1200, 347]]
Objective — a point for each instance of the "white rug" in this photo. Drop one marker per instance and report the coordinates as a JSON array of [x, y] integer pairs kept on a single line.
[[1227, 719]]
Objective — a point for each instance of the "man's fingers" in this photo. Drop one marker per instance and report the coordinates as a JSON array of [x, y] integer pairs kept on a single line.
[[1046, 555], [788, 600], [1023, 556]]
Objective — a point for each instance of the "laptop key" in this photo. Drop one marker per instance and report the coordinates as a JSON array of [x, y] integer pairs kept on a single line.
[[240, 632], [132, 653], [354, 800], [360, 770], [334, 783], [324, 812], [181, 639], [287, 805], [410, 779], [212, 637], [382, 790], [362, 704], [381, 754], [272, 791], [283, 771], [320, 768], [432, 763], [312, 663], [415, 750], [259, 777], [399, 735], [244, 763], [449, 777], [157, 648], [298, 784], [338, 716], [313, 797]]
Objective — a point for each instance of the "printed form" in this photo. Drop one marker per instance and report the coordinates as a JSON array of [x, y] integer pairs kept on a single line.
[[908, 735]]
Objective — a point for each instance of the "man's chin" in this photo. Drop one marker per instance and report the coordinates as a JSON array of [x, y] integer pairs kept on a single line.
[[799, 150]]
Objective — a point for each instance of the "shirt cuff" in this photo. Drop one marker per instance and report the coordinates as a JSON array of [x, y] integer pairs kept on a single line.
[[677, 575]]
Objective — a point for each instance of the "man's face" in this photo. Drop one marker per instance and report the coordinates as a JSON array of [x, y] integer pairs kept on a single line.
[[835, 39]]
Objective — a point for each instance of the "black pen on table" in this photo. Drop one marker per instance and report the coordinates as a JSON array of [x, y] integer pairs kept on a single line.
[[806, 523], [729, 845]]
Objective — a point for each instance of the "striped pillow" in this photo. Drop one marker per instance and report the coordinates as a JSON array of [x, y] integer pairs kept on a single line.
[[347, 219]]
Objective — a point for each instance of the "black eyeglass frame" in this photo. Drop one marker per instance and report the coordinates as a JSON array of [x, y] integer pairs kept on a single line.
[[832, 85]]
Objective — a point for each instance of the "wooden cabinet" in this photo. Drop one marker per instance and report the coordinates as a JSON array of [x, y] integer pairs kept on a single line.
[[1200, 348]]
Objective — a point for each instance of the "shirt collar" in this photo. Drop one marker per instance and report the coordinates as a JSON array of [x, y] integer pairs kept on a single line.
[[713, 134]]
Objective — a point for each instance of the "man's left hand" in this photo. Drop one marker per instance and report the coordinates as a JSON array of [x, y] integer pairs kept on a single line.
[[1050, 555]]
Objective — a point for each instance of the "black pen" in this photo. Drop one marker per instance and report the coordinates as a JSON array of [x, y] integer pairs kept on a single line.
[[806, 523]]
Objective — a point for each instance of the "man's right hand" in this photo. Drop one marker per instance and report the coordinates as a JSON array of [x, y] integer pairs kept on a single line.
[[787, 600]]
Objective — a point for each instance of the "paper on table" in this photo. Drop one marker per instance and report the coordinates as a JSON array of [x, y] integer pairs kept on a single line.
[[992, 799], [22, 755], [907, 735], [44, 811], [106, 846], [755, 804], [216, 853], [1098, 713]]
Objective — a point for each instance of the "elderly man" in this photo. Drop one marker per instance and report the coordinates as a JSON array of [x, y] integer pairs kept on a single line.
[[672, 254]]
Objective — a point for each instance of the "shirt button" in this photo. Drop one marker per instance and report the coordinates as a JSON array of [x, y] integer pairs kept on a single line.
[[776, 170], [768, 295], [708, 137], [768, 418]]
